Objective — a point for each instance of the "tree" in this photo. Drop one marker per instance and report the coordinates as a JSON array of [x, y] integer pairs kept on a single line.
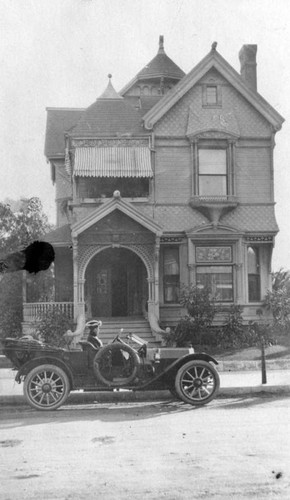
[[278, 299], [18, 228]]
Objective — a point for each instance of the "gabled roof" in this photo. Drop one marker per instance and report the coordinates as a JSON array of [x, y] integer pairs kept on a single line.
[[116, 203], [160, 66], [212, 60], [109, 114]]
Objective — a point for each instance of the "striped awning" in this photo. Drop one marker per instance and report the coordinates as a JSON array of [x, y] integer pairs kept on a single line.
[[113, 162]]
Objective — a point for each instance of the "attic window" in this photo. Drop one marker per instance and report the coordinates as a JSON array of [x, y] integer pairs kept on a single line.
[[211, 95]]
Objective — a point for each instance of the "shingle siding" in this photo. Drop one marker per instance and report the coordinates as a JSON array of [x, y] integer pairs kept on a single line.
[[250, 122], [173, 174], [253, 182]]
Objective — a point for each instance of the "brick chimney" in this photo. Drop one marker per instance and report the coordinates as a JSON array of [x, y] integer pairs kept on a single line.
[[247, 56]]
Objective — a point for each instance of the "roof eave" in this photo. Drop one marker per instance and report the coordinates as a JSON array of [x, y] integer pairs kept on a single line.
[[213, 59], [137, 78]]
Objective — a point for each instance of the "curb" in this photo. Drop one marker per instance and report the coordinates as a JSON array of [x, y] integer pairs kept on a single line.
[[271, 364], [81, 398]]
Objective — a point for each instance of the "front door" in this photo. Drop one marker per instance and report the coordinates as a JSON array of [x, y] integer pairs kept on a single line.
[[116, 284], [119, 290], [101, 296]]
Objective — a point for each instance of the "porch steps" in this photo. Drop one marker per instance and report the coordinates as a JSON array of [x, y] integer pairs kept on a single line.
[[112, 326]]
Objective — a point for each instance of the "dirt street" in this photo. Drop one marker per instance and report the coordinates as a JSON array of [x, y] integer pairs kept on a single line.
[[230, 449]]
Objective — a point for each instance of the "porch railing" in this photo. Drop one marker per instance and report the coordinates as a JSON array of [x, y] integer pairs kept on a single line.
[[33, 310]]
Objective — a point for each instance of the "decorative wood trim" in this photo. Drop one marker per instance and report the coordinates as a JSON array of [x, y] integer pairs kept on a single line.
[[110, 142]]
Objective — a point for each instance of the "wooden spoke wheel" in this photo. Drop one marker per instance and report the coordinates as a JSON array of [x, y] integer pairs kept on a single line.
[[197, 382], [46, 387]]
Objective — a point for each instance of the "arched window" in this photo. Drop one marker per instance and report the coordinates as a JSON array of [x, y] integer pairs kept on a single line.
[[253, 275]]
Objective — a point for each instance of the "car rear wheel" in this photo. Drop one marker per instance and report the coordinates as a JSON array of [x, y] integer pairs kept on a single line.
[[46, 387], [197, 382]]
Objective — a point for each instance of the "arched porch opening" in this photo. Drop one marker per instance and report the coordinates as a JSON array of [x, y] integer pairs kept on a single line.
[[116, 284]]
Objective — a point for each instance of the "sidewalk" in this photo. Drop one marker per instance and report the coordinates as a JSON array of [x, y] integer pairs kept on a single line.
[[233, 383]]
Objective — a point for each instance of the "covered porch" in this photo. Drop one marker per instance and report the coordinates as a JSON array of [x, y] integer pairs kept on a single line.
[[34, 310]]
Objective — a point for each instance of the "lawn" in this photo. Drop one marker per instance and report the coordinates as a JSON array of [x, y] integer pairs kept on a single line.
[[280, 350]]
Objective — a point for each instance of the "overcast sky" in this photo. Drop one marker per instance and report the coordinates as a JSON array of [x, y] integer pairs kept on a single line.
[[57, 53]]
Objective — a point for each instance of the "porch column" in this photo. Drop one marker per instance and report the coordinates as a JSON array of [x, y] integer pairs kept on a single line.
[[191, 262], [239, 278], [156, 276], [81, 299], [75, 273], [24, 290]]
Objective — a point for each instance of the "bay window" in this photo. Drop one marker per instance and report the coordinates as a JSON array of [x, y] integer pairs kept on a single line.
[[171, 274], [214, 270], [254, 291], [218, 279], [212, 172]]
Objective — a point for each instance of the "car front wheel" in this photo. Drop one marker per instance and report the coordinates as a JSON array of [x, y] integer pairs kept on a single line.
[[197, 382], [46, 387]]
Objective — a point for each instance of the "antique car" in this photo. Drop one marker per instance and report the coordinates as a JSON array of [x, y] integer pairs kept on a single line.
[[50, 373]]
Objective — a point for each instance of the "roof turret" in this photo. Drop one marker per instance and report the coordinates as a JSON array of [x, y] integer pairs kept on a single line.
[[161, 66], [110, 92]]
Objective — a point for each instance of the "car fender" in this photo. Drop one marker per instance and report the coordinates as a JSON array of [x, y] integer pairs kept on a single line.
[[171, 370], [44, 360], [199, 356]]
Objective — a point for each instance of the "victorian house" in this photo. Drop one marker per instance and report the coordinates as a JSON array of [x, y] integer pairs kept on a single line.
[[167, 182]]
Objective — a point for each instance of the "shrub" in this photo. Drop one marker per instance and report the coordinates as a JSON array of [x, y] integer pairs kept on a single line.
[[182, 334], [233, 334], [51, 327], [201, 308]]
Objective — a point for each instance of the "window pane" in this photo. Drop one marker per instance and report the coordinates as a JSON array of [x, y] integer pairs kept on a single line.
[[254, 287], [253, 275], [253, 261], [211, 95], [212, 161], [171, 275], [219, 279], [171, 261], [213, 185]]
